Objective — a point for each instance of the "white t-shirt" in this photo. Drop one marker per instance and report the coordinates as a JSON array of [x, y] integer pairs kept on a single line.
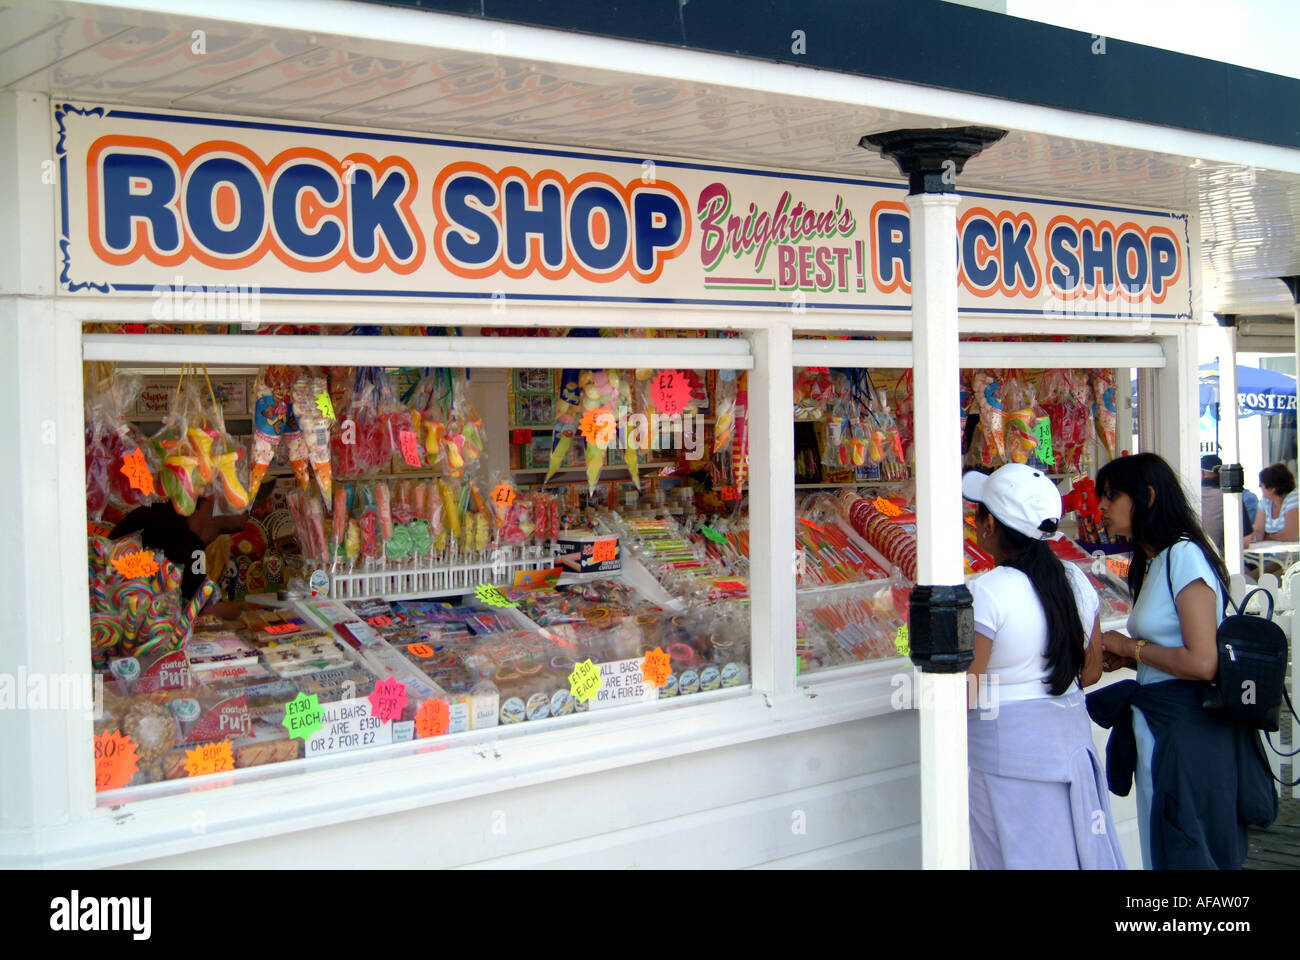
[[1007, 611]]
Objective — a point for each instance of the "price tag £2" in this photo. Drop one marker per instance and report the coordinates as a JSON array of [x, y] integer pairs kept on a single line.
[[115, 760], [670, 391], [584, 681], [388, 699]]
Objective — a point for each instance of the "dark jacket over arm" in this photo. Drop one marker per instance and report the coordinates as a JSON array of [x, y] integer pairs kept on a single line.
[[1208, 780]]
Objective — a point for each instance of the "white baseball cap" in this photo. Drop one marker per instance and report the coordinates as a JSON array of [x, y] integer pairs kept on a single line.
[[1022, 498]]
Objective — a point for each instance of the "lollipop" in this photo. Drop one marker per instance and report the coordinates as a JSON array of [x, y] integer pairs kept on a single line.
[[178, 483]]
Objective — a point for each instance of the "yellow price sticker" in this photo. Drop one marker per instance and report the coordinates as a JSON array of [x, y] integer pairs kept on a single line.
[[584, 681], [492, 596], [901, 642]]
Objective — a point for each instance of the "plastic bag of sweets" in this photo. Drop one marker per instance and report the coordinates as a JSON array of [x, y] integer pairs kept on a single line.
[[462, 441], [313, 407], [360, 443], [118, 478]]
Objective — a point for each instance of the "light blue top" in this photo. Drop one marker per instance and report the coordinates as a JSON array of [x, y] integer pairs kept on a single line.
[[1154, 617], [1274, 524]]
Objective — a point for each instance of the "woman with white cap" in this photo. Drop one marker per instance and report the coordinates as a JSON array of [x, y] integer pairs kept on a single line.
[[1038, 797]]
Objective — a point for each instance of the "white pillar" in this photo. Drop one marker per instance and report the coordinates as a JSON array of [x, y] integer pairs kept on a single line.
[[1230, 447], [945, 825], [771, 510]]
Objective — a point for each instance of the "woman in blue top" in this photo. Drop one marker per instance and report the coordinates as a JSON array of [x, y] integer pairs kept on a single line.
[[1170, 639], [1279, 509]]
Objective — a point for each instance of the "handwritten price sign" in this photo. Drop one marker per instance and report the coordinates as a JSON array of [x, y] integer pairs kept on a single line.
[[209, 758], [901, 642], [521, 437], [670, 391], [421, 650], [584, 681], [138, 564], [302, 716], [731, 492], [603, 551], [325, 405], [597, 426], [432, 719], [887, 507], [655, 667], [492, 596], [503, 494], [115, 760], [388, 699], [137, 472], [1043, 433]]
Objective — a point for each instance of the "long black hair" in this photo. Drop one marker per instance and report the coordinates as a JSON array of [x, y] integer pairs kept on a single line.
[[1065, 637], [1158, 523]]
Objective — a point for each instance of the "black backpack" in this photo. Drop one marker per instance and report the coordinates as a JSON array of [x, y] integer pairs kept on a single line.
[[1250, 684]]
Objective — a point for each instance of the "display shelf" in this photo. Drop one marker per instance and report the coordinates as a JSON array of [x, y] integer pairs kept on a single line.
[[452, 576]]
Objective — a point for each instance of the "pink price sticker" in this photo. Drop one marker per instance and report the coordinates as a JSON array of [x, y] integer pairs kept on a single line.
[[410, 448], [388, 699], [670, 391]]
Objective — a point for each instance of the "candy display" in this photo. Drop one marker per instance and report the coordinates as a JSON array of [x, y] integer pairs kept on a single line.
[[402, 577], [891, 539]]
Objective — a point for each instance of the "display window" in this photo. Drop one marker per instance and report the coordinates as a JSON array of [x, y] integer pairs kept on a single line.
[[291, 561], [856, 525]]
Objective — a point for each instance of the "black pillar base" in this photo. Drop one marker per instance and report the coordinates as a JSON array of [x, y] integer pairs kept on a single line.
[[941, 628]]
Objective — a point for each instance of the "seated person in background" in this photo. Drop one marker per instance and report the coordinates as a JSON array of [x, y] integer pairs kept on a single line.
[[1279, 513], [1212, 504], [1212, 500]]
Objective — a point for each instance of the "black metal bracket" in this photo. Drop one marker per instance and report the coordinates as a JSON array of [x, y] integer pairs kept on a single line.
[[1232, 478], [931, 159], [1292, 285], [1226, 319], [941, 628]]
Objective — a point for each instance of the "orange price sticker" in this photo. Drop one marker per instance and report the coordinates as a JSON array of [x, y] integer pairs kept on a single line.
[[887, 507], [384, 620], [731, 492], [410, 448], [670, 391], [282, 628], [1118, 566], [98, 530], [137, 472], [138, 564], [604, 550], [655, 667], [597, 426], [432, 719], [209, 758], [115, 760], [421, 650], [504, 494]]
